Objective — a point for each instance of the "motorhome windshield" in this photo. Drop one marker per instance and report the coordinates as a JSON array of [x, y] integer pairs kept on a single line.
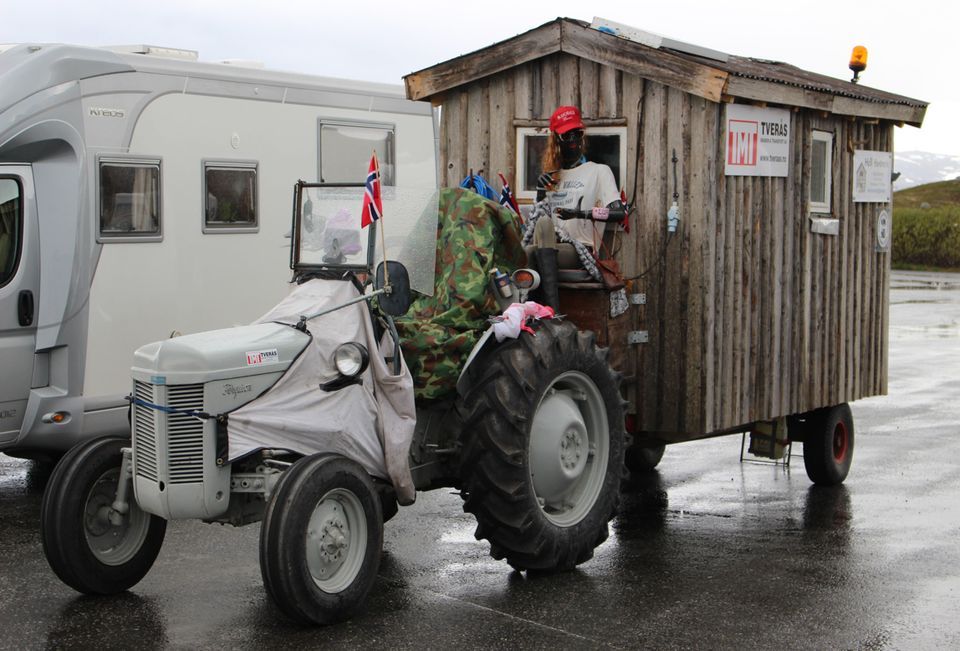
[[10, 228], [329, 234]]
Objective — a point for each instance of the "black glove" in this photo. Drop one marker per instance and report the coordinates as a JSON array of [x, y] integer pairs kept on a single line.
[[544, 183], [545, 180], [615, 212]]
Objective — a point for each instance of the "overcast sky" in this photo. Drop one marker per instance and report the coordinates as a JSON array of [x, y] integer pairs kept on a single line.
[[911, 44]]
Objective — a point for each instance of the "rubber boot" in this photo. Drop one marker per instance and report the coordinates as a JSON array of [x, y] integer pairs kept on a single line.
[[549, 282]]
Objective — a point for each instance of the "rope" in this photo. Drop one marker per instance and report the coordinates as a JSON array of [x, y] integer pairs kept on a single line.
[[193, 413]]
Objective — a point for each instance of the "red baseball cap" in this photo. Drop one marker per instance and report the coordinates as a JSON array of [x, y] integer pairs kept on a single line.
[[565, 118]]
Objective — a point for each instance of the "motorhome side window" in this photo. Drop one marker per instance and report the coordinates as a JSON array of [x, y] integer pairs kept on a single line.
[[606, 145], [346, 148], [230, 197], [129, 199], [11, 229], [821, 166]]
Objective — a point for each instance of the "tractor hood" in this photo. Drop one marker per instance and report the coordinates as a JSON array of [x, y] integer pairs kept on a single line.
[[219, 354]]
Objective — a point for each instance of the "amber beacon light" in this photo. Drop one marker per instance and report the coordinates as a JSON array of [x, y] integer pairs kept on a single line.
[[858, 62]]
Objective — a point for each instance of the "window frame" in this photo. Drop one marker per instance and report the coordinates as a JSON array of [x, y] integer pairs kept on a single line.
[[521, 147], [129, 161], [822, 207], [229, 165], [20, 225], [356, 124]]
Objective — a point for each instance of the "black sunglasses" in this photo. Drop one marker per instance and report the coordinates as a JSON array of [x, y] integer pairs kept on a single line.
[[570, 136]]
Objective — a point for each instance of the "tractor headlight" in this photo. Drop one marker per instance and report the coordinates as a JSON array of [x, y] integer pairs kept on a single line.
[[351, 359]]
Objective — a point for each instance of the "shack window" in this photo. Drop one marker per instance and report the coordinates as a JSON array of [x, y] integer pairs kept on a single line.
[[606, 145], [129, 194], [346, 147], [11, 229], [821, 166], [230, 197]]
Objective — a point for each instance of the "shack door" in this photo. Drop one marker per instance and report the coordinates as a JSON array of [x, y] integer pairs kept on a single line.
[[19, 282]]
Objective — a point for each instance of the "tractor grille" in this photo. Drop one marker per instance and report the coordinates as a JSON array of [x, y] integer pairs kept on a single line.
[[145, 432], [183, 436]]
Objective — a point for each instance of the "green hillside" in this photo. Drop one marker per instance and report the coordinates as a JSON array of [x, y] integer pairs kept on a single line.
[[938, 195], [926, 227]]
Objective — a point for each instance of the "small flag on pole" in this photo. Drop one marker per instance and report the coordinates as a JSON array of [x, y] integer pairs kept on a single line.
[[626, 217], [372, 202], [506, 196]]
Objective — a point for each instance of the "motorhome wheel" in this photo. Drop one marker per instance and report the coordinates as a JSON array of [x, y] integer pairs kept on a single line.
[[321, 539], [92, 547], [543, 448]]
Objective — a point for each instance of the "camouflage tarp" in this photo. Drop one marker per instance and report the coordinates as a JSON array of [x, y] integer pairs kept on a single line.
[[474, 235]]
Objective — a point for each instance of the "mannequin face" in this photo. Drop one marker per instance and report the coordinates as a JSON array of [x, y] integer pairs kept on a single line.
[[571, 147]]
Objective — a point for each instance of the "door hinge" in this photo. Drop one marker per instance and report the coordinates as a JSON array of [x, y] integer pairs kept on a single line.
[[638, 337]]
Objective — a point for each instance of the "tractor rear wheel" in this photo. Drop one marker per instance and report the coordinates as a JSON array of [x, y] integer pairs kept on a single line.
[[543, 447]]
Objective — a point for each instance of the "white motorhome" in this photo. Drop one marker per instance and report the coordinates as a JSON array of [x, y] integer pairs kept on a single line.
[[145, 194]]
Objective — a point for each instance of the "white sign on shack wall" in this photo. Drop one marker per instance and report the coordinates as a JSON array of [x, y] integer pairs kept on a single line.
[[872, 176], [757, 141]]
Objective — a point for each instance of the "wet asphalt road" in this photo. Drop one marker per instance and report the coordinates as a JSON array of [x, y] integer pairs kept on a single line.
[[706, 553]]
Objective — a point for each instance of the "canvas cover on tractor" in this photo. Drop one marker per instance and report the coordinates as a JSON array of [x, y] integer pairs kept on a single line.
[[370, 422]]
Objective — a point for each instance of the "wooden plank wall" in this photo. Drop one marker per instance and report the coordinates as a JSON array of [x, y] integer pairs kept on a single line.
[[750, 315], [794, 320]]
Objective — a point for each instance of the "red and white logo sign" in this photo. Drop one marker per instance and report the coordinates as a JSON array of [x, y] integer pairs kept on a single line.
[[743, 139], [261, 357]]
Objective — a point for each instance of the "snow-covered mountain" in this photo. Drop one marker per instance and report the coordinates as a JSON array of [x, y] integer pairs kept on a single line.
[[919, 167]]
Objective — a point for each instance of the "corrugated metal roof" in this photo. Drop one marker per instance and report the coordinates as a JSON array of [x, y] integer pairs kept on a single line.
[[783, 73], [802, 87]]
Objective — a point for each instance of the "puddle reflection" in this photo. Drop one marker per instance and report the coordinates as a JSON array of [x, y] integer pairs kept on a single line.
[[124, 621]]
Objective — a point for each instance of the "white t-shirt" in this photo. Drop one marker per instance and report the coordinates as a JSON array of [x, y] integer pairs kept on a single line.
[[596, 185]]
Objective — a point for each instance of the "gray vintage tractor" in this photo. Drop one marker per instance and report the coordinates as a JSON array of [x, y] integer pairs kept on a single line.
[[309, 421]]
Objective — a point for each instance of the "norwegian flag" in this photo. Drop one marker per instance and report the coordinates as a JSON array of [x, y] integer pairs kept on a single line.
[[506, 196], [372, 202]]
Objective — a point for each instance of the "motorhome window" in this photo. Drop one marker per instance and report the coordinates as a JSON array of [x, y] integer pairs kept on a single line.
[[230, 197], [607, 145], [129, 199], [11, 228], [346, 148], [821, 165]]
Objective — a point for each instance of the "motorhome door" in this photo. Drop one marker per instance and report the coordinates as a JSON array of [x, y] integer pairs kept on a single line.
[[19, 282]]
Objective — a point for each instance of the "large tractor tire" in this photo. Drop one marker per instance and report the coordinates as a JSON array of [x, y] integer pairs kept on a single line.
[[321, 539], [543, 445], [828, 445], [90, 546]]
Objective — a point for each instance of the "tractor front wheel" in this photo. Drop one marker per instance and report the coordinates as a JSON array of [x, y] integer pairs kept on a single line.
[[321, 539], [91, 546]]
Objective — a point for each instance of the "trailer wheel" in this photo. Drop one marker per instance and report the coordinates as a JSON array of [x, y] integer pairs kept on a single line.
[[828, 445], [321, 539], [543, 447], [91, 547], [639, 459]]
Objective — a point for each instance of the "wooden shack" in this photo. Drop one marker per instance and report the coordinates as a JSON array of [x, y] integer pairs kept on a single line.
[[772, 298]]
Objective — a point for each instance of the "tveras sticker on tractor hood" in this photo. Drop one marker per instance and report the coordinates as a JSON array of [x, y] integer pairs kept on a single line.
[[263, 357]]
